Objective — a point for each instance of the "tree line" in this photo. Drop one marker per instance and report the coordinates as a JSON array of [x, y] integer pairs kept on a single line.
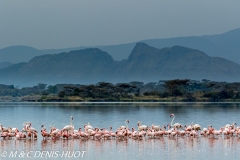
[[190, 90]]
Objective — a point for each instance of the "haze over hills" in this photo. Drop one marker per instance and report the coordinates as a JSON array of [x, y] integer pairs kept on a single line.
[[150, 64], [226, 45], [145, 64], [5, 64], [16, 54]]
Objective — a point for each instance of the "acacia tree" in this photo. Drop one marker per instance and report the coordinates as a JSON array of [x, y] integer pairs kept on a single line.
[[176, 84]]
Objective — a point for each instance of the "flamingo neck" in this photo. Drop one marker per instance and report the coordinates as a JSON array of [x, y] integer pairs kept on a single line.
[[126, 124], [172, 119]]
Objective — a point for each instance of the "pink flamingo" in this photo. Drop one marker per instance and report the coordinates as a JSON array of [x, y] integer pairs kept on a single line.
[[169, 131], [55, 134], [157, 128], [160, 132], [141, 127], [134, 133], [64, 134], [125, 127], [151, 133], [98, 135], [3, 129], [4, 134], [174, 132], [44, 133], [217, 133], [82, 134], [177, 125], [113, 134], [69, 127], [11, 134], [106, 134], [141, 134]]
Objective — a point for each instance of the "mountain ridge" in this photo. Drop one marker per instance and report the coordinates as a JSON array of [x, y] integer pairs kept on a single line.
[[226, 45], [145, 63]]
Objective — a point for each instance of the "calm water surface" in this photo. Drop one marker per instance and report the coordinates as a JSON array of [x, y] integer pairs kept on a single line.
[[108, 114]]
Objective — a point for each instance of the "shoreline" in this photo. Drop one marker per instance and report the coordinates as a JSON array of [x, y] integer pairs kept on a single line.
[[118, 102], [137, 99]]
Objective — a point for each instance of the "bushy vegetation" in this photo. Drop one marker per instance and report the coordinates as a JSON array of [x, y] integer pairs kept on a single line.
[[177, 89]]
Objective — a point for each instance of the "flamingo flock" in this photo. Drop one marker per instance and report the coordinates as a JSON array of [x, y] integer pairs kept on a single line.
[[121, 133]]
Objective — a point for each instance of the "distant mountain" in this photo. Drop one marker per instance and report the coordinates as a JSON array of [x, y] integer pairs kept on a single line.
[[145, 63], [226, 45], [79, 66], [17, 54], [5, 64]]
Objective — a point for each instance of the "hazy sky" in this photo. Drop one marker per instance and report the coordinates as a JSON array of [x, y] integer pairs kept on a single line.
[[48, 24]]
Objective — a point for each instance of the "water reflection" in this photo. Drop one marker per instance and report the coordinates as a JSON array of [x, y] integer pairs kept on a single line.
[[105, 115], [164, 147]]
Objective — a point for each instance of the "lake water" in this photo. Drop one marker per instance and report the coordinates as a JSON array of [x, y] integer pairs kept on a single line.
[[114, 114]]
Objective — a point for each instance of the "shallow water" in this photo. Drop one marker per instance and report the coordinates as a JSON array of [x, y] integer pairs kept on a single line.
[[114, 114]]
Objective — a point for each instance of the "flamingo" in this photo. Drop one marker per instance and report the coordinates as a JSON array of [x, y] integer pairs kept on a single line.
[[105, 131], [88, 130], [160, 132], [174, 132], [3, 129], [31, 131], [169, 131], [4, 134], [141, 134], [25, 126], [64, 134], [151, 133], [228, 125], [55, 134], [176, 125], [124, 127], [98, 135], [69, 127], [10, 133], [76, 134], [106, 134], [12, 130], [113, 134], [29, 128], [157, 128], [196, 127], [141, 127], [88, 126], [193, 133], [217, 133], [237, 132], [82, 134], [129, 133], [204, 132], [134, 133], [120, 133], [19, 135], [44, 133], [181, 133]]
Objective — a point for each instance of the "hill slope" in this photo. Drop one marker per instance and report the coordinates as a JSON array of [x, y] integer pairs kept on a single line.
[[79, 66], [145, 64], [150, 64], [226, 45]]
